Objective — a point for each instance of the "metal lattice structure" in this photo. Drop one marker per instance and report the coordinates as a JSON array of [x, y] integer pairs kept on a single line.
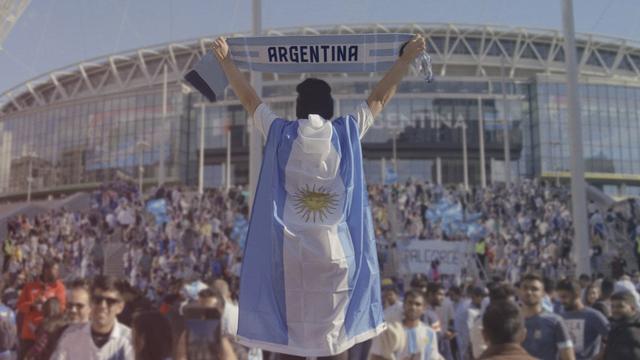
[[10, 12], [457, 50]]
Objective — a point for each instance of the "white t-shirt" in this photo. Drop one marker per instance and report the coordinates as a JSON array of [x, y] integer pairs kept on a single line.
[[263, 117], [419, 343], [76, 343]]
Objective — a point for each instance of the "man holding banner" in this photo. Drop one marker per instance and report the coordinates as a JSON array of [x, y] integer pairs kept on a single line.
[[310, 283]]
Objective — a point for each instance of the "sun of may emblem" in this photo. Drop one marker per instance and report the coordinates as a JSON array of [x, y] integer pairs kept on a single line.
[[313, 203]]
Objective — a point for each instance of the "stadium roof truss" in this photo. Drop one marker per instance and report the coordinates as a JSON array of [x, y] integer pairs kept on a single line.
[[481, 48]]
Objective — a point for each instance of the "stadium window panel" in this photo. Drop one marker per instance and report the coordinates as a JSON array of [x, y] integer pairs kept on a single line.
[[527, 52], [508, 45], [543, 49], [460, 47], [559, 56], [607, 56], [474, 44], [439, 42], [494, 50]]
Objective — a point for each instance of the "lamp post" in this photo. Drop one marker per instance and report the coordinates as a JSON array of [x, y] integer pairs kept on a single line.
[[141, 145], [578, 185], [30, 175]]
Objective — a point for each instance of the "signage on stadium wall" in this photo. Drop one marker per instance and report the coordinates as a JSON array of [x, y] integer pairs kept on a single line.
[[416, 256]]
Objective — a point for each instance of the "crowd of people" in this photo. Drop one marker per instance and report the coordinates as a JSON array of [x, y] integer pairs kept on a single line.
[[524, 227], [190, 254]]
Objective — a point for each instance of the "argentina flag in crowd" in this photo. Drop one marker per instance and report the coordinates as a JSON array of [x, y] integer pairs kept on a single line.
[[310, 284]]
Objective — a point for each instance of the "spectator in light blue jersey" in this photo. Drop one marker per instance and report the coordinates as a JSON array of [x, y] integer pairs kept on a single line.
[[588, 327], [547, 336]]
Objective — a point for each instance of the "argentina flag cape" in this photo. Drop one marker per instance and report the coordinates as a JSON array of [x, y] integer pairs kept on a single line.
[[310, 283]]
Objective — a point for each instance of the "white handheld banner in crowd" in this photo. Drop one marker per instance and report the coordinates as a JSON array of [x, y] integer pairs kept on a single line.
[[417, 255]]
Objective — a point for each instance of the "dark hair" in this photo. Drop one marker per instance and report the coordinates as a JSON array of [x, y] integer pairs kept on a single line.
[[419, 282], [154, 328], [106, 283], [549, 285], [390, 288], [48, 264], [455, 290], [607, 288], [570, 286], [585, 277], [314, 97], [478, 291], [532, 277], [51, 308], [626, 297], [502, 321], [78, 284], [433, 288], [414, 294], [501, 292]]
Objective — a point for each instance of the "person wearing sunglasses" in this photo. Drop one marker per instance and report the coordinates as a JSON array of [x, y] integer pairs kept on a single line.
[[103, 337], [78, 302]]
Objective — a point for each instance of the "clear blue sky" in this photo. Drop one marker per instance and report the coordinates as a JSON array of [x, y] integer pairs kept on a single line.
[[57, 33]]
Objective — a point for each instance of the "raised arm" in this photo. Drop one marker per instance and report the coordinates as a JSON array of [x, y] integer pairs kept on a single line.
[[239, 83], [386, 88]]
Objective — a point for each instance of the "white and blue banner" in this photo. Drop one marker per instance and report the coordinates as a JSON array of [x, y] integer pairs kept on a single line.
[[328, 53], [416, 256], [310, 283]]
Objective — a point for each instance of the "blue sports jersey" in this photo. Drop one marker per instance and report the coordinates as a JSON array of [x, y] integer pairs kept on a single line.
[[587, 327], [546, 334]]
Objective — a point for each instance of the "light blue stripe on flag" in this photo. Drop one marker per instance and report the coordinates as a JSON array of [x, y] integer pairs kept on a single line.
[[252, 54], [384, 52], [262, 315]]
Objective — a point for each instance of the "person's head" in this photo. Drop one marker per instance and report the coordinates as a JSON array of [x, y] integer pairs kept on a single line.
[[149, 333], [607, 288], [591, 294], [50, 271], [51, 308], [314, 97], [532, 290], [106, 302], [210, 298], [501, 291], [569, 294], [503, 324], [419, 283], [455, 293], [435, 294], [222, 287], [623, 305], [585, 280], [549, 286], [389, 295], [477, 295], [414, 305], [78, 304]]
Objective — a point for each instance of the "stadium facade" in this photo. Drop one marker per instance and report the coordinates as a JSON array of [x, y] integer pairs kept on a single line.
[[97, 120]]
